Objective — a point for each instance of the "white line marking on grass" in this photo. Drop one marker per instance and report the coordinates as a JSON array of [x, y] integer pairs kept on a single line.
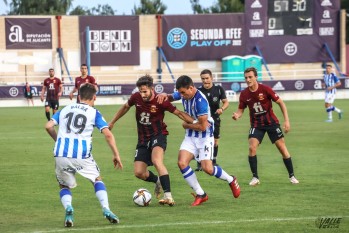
[[120, 226]]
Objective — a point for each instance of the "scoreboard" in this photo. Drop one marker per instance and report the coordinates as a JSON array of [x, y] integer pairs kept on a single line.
[[290, 17], [293, 31]]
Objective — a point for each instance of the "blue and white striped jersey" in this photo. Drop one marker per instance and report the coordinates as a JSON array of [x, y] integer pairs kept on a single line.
[[330, 80], [195, 107], [76, 122]]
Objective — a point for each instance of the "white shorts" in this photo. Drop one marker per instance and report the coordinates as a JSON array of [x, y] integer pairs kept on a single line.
[[329, 98], [67, 167], [201, 148]]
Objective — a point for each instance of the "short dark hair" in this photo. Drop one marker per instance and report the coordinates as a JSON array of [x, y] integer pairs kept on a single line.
[[87, 91], [249, 69], [83, 64], [329, 65], [145, 80], [206, 71], [51, 69], [184, 81]]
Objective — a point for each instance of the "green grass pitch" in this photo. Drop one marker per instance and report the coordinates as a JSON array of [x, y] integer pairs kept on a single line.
[[29, 194]]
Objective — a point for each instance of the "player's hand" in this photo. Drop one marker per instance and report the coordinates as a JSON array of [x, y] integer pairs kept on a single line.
[[185, 125], [161, 98], [110, 126], [117, 162], [59, 94], [235, 116], [287, 126], [42, 98], [71, 95], [219, 111]]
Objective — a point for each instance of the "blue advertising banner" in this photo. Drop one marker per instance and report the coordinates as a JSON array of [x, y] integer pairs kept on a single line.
[[202, 37]]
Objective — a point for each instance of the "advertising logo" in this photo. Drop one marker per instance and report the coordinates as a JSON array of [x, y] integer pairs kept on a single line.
[[290, 49], [159, 88], [278, 87], [317, 85], [16, 34], [13, 91], [177, 38], [256, 4], [110, 41], [299, 85]]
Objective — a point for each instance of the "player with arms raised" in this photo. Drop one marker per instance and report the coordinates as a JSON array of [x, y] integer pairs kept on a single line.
[[258, 98]]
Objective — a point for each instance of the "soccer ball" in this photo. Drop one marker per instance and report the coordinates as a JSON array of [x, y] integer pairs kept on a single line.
[[142, 197]]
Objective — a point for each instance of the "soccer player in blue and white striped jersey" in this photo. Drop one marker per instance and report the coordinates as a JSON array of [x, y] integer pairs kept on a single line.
[[72, 151], [331, 82], [198, 141]]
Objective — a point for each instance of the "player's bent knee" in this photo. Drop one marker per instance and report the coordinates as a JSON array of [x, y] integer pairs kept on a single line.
[[182, 164], [140, 175]]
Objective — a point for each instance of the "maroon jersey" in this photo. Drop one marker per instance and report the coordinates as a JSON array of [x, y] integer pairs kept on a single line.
[[88, 79], [150, 116], [52, 88], [260, 105]]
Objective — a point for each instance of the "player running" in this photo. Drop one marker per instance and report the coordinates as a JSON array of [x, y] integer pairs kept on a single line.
[[73, 148], [152, 136], [198, 141]]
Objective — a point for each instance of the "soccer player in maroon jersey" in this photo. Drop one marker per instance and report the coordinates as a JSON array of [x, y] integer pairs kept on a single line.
[[84, 78], [152, 136], [53, 86], [258, 98]]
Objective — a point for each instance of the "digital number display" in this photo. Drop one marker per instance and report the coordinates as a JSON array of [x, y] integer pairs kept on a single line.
[[290, 17]]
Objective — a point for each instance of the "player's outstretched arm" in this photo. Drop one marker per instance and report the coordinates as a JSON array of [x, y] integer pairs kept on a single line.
[[184, 116], [164, 97], [109, 137], [122, 111]]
